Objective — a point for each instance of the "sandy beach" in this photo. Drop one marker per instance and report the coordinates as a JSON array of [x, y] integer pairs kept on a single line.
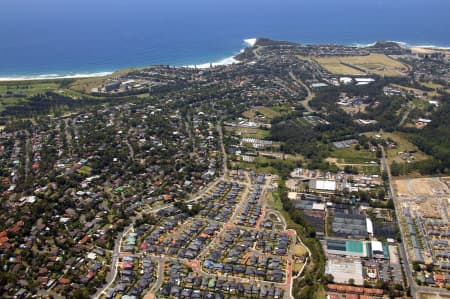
[[429, 50]]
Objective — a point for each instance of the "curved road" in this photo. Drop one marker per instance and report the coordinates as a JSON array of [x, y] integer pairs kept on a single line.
[[309, 96]]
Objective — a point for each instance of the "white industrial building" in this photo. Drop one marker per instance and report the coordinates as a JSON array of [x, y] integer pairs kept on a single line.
[[369, 225], [377, 249], [325, 185]]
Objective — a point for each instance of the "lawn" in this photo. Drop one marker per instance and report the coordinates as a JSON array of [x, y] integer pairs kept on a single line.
[[252, 133], [294, 157], [21, 90], [335, 66], [85, 85], [255, 167], [273, 201], [352, 156], [369, 169], [28, 87], [432, 85], [298, 266], [421, 104], [373, 64], [85, 170], [25, 88], [5, 102], [321, 293], [300, 250]]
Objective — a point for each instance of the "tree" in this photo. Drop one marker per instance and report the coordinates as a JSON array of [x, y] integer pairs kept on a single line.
[[329, 278], [381, 194], [416, 266], [395, 169]]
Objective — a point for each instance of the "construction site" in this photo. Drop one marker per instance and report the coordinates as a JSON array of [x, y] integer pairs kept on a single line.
[[424, 206]]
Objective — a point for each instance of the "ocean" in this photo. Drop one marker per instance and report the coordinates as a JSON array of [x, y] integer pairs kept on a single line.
[[54, 38]]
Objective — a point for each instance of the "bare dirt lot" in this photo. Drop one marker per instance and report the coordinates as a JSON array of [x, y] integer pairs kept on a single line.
[[421, 187]]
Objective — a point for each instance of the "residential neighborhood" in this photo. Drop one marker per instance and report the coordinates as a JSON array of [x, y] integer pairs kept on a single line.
[[300, 171]]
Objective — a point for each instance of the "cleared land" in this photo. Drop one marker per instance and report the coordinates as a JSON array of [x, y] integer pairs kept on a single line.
[[417, 187], [356, 65]]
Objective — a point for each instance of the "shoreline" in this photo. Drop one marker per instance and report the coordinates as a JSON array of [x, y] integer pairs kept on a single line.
[[249, 42], [54, 76]]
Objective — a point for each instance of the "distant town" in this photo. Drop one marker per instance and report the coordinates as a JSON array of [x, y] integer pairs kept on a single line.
[[301, 171]]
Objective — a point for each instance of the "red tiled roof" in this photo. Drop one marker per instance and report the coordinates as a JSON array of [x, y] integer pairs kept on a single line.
[[3, 240], [332, 286], [84, 240], [15, 229], [368, 291], [63, 280]]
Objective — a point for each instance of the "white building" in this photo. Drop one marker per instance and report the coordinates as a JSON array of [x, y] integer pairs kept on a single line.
[[377, 249], [324, 185], [369, 224], [345, 80]]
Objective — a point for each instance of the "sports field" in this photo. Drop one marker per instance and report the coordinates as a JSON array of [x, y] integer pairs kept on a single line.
[[378, 64]]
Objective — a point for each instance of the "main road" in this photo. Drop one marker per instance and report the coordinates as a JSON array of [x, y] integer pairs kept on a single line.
[[403, 253], [309, 96]]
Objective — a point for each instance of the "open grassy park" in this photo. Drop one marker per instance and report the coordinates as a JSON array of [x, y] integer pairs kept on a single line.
[[249, 132], [378, 64], [351, 155], [334, 65]]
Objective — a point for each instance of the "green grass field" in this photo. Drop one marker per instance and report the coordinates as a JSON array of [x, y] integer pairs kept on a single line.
[[5, 102], [252, 133], [378, 64], [28, 87], [352, 156]]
